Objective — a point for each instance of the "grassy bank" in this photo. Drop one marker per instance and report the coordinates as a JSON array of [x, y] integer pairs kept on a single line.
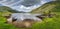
[[47, 23]]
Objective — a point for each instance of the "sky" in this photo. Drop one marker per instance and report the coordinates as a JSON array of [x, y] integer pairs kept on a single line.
[[23, 5], [0, 4]]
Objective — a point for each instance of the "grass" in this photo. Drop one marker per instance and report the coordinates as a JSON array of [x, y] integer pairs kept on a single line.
[[47, 23]]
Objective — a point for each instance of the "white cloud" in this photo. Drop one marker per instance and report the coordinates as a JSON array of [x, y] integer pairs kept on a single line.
[[43, 2], [21, 7]]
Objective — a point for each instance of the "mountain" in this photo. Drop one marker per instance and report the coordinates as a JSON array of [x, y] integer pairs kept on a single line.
[[5, 11], [8, 9], [53, 6]]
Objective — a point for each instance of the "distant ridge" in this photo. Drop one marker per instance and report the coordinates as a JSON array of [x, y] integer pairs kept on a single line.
[[53, 6], [8, 9]]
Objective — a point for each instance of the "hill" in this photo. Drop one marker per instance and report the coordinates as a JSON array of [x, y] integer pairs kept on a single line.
[[7, 9], [53, 6], [4, 10], [47, 23]]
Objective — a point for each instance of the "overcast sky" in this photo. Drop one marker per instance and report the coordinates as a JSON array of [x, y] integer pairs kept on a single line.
[[21, 5]]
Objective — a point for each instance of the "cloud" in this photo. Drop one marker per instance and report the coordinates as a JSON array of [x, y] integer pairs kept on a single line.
[[43, 2], [16, 5], [1, 5], [23, 8]]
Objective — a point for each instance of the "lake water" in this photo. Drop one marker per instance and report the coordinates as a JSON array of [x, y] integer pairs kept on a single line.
[[22, 16]]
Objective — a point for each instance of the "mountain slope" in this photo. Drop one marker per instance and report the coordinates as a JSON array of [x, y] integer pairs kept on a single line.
[[53, 6], [7, 9]]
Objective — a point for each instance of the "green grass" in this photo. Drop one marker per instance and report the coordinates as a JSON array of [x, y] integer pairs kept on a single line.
[[47, 23], [4, 25]]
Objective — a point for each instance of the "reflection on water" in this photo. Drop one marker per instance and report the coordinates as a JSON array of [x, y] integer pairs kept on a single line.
[[22, 16]]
